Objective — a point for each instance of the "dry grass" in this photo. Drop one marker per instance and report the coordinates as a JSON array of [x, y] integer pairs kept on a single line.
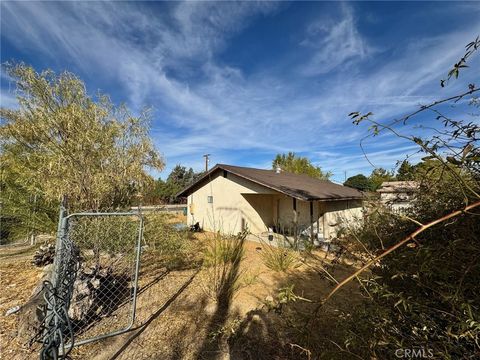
[[279, 258], [174, 314], [18, 278], [222, 259]]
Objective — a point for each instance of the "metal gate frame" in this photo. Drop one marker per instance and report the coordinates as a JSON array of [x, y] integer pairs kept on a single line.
[[58, 293]]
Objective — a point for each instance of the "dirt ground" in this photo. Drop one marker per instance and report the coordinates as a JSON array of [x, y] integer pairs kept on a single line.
[[18, 278], [178, 319]]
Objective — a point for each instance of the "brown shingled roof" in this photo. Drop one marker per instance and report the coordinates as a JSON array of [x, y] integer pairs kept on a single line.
[[301, 187]]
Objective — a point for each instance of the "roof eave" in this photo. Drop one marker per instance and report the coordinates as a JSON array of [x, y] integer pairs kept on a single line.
[[208, 173], [185, 192]]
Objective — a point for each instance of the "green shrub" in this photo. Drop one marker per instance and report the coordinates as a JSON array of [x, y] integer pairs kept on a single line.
[[224, 250], [221, 259], [171, 247], [425, 294], [104, 234], [279, 258]]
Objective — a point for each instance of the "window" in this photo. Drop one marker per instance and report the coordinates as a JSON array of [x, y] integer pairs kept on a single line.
[[210, 199]]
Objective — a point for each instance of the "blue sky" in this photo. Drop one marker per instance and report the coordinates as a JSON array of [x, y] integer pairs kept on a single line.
[[244, 81]]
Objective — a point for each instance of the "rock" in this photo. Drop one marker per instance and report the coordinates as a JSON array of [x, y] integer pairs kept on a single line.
[[103, 272], [45, 275], [12, 310], [48, 268], [211, 308], [82, 300], [32, 313], [95, 283], [269, 298], [256, 317], [30, 317], [96, 292], [89, 271]]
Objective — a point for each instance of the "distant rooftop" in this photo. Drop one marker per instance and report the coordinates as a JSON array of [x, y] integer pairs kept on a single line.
[[301, 187], [398, 186]]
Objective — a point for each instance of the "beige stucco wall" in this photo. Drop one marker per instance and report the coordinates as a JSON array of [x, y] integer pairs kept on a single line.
[[397, 200], [232, 208], [342, 214], [238, 203], [328, 216]]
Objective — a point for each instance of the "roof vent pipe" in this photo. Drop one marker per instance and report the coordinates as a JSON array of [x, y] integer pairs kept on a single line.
[[278, 169]]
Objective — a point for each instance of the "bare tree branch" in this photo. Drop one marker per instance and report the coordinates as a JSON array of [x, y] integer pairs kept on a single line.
[[401, 243]]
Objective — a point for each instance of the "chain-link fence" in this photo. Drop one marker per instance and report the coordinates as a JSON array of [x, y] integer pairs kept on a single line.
[[92, 294]]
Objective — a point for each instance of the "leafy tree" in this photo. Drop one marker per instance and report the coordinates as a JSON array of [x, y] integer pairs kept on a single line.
[[359, 182], [181, 177], [61, 141], [166, 191], [378, 176], [299, 165], [406, 171], [23, 213], [424, 291]]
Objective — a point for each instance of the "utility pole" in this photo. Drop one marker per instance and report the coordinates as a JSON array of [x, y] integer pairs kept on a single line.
[[206, 156]]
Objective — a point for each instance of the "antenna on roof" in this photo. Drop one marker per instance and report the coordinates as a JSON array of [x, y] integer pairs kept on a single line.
[[206, 156]]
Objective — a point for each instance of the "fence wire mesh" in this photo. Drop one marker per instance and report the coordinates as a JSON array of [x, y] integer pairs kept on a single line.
[[93, 292], [103, 294]]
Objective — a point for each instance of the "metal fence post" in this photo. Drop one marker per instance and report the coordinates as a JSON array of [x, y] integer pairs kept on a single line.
[[58, 245], [51, 338]]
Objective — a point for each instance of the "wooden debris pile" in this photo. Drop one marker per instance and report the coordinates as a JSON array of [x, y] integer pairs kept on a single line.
[[44, 255]]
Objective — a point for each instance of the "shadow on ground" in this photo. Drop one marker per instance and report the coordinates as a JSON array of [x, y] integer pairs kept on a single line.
[[136, 332], [179, 319]]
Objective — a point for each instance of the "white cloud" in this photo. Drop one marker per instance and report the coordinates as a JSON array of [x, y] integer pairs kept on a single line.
[[8, 100], [334, 43], [216, 108]]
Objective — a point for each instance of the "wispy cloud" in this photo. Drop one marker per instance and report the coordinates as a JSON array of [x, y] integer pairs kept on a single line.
[[203, 104], [8, 100], [335, 42]]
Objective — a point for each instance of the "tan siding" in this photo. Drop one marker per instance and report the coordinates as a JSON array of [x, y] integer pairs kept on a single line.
[[230, 209], [341, 214], [238, 202]]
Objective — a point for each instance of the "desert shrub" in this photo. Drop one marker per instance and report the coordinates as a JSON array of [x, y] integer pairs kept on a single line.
[[229, 329], [250, 278], [221, 259], [172, 247], [432, 289], [224, 250], [279, 258], [425, 295], [106, 172], [105, 234]]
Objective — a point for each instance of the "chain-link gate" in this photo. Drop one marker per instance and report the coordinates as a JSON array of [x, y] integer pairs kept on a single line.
[[93, 290]]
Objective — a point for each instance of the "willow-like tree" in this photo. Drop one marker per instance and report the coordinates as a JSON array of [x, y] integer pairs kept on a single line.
[[62, 141], [293, 163]]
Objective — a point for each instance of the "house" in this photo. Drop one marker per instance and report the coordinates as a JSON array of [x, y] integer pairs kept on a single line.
[[397, 195], [230, 199]]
